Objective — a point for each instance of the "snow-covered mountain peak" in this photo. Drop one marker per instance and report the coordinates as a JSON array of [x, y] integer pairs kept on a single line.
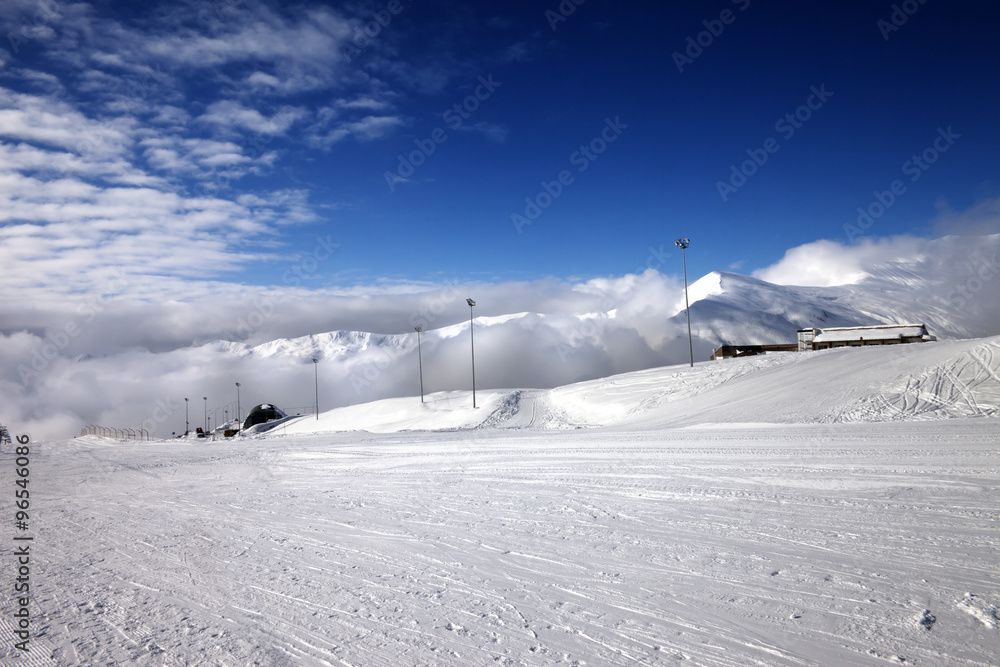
[[705, 287]]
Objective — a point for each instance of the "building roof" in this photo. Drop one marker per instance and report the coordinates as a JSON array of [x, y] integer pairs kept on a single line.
[[880, 332], [261, 414]]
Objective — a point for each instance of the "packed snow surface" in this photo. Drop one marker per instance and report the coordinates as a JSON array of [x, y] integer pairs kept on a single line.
[[831, 508]]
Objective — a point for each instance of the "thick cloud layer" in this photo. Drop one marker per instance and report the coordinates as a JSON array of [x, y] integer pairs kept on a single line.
[[828, 263], [117, 363]]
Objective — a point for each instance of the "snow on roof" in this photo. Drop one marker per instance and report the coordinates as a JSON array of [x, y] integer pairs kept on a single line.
[[883, 332]]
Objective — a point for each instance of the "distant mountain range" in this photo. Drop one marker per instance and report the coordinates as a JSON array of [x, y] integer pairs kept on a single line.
[[952, 287]]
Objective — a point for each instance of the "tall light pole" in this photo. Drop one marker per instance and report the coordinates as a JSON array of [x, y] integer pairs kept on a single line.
[[473, 339], [206, 413], [420, 363], [683, 244], [239, 424], [316, 368], [186, 426]]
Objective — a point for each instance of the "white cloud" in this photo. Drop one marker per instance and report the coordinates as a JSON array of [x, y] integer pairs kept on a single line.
[[368, 128], [49, 122], [257, 34], [83, 358], [492, 131], [27, 158], [367, 103], [84, 348], [78, 195], [231, 114], [194, 156], [827, 263], [982, 218]]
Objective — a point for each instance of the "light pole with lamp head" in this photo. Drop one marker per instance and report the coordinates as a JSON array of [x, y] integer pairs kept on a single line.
[[187, 427], [205, 398], [239, 424], [473, 340], [420, 362], [683, 244], [316, 368]]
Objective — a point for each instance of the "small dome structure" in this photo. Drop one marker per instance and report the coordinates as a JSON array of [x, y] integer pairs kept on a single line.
[[262, 414]]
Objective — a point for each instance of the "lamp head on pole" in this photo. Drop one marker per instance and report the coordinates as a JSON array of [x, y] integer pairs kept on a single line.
[[682, 243], [315, 361], [470, 302], [417, 329]]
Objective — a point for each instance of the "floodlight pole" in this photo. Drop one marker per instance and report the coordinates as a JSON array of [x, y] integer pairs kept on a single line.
[[206, 413], [420, 362], [316, 368], [473, 339], [683, 244], [187, 427], [239, 426]]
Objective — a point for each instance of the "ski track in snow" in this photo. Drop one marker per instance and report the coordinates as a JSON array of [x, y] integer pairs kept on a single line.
[[812, 544]]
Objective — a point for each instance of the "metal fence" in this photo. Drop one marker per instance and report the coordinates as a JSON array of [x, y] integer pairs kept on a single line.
[[118, 433]]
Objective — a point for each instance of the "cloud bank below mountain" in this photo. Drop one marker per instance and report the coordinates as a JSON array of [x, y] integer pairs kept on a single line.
[[120, 362]]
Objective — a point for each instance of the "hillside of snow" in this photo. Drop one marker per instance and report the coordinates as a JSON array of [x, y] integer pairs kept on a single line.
[[830, 508], [548, 350], [938, 380]]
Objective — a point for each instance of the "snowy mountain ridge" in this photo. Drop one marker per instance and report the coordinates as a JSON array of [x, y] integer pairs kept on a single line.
[[729, 308]]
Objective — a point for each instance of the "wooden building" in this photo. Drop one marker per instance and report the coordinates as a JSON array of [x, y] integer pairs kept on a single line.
[[823, 339], [883, 334]]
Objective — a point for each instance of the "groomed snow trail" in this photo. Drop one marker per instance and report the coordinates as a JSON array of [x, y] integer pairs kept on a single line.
[[824, 544]]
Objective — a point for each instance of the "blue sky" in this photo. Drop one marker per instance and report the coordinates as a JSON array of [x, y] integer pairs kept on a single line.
[[289, 111], [173, 174]]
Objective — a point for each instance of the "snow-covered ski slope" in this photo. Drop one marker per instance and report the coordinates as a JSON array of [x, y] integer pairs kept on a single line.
[[879, 383], [833, 508]]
